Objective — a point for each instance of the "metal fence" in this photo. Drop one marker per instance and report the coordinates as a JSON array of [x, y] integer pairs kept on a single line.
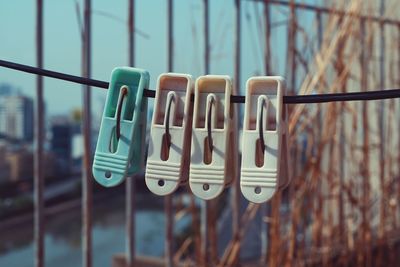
[[87, 201]]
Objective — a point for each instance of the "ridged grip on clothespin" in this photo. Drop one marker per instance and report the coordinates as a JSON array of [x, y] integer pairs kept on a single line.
[[121, 141]]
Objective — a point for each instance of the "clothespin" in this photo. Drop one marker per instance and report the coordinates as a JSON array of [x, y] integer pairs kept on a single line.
[[170, 137], [265, 156], [214, 137], [121, 143]]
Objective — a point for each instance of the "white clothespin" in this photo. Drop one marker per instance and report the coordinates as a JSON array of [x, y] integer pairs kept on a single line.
[[170, 137], [265, 156], [214, 138]]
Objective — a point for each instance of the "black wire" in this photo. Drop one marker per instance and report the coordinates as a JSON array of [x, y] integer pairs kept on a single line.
[[299, 99], [63, 76], [53, 74], [354, 96]]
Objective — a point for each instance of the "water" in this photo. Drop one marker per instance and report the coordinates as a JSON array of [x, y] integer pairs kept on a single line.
[[63, 240]]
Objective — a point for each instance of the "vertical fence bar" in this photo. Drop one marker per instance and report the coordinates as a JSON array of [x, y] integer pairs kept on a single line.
[[170, 35], [267, 49], [130, 182], [87, 181], [266, 207], [398, 112], [381, 124], [236, 194], [365, 167], [319, 44], [168, 204], [292, 47], [205, 209], [206, 38], [319, 29], [340, 68], [39, 135], [169, 226], [318, 200], [130, 221], [205, 204]]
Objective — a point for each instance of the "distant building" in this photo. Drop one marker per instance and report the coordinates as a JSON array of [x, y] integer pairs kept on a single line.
[[61, 143], [4, 165], [16, 117], [20, 161], [21, 165], [77, 152], [61, 140]]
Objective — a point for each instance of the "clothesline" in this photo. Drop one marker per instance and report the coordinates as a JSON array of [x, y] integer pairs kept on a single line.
[[298, 99]]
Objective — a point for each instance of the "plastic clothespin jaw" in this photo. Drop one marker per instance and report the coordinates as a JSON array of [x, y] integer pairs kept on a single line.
[[214, 142], [170, 134], [121, 142], [264, 144]]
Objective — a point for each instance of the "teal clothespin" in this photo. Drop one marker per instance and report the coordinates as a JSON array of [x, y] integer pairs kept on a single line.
[[121, 144]]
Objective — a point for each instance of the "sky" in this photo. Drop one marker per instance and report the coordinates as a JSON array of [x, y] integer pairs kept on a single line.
[[62, 43]]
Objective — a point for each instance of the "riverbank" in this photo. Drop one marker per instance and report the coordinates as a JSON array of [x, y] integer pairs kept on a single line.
[[63, 237], [151, 203], [58, 197]]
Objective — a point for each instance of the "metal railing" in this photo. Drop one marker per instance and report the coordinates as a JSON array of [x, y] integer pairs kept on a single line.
[[39, 222]]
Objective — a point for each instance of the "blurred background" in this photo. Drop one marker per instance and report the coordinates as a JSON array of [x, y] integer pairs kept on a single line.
[[342, 207]]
